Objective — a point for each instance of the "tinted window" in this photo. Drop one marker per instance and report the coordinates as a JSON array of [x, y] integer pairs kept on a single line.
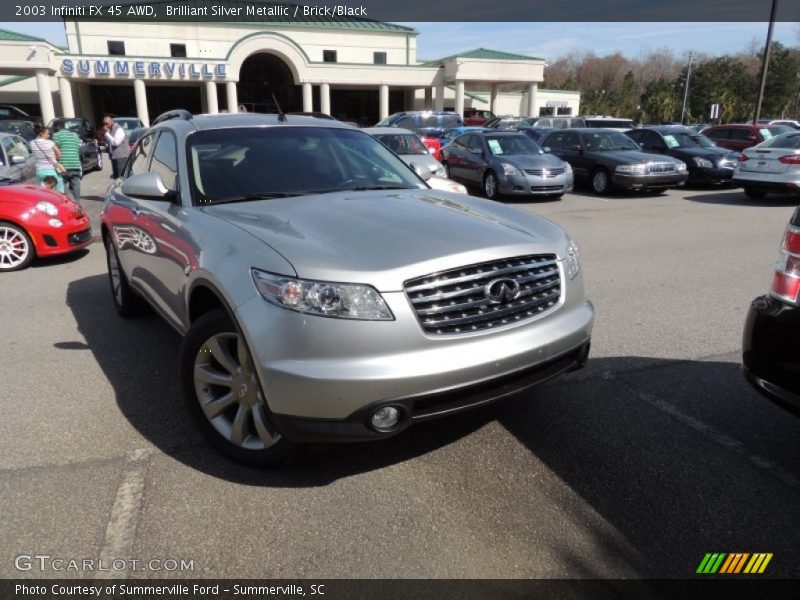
[[741, 134], [571, 139], [402, 143], [555, 141], [447, 121], [722, 133], [137, 163], [461, 141], [610, 123], [165, 160], [15, 146], [474, 144], [607, 141], [404, 123]]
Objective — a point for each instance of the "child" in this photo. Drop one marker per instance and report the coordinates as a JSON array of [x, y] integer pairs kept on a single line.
[[50, 182]]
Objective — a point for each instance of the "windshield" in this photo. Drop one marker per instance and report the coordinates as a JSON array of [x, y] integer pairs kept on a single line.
[[402, 143], [611, 123], [512, 144], [239, 164], [768, 133], [685, 139], [21, 128], [128, 123], [605, 141], [785, 140]]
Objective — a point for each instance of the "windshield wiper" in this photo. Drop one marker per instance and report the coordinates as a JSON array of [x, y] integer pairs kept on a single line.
[[363, 188], [255, 196]]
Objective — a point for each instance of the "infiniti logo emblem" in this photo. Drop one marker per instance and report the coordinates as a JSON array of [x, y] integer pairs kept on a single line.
[[501, 290]]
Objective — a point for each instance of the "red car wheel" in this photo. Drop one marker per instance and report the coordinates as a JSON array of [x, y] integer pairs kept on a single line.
[[16, 248]]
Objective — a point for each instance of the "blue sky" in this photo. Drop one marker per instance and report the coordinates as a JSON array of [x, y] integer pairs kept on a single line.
[[551, 40]]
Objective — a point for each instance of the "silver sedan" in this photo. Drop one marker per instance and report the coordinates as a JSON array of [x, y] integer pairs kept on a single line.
[[772, 166]]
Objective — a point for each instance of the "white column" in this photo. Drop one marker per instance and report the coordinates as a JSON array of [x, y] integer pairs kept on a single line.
[[140, 93], [211, 97], [533, 90], [325, 98], [233, 100], [428, 98], [45, 96], [308, 97], [440, 97], [493, 98], [383, 102], [460, 97], [65, 92]]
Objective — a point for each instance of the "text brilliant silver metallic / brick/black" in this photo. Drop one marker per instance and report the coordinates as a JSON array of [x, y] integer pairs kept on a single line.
[[456, 301]]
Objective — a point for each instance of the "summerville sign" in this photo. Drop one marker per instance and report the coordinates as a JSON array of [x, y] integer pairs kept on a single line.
[[169, 70]]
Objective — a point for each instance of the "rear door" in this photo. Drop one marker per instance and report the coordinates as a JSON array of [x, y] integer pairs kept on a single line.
[[475, 163], [721, 136], [741, 138]]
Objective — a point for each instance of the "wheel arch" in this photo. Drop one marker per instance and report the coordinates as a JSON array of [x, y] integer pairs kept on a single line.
[[204, 297], [31, 237]]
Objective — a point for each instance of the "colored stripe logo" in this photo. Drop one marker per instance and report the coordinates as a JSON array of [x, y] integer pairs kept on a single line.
[[734, 563]]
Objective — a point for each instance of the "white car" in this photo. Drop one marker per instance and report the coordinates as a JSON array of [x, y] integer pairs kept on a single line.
[[771, 166]]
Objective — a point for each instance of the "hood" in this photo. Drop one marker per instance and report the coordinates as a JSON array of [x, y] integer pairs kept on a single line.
[[530, 161], [384, 238]]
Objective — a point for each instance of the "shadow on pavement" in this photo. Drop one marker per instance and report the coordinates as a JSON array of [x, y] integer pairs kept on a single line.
[[60, 259], [673, 486], [738, 198]]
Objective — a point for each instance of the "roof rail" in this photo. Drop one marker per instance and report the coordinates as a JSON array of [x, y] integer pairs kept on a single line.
[[178, 113]]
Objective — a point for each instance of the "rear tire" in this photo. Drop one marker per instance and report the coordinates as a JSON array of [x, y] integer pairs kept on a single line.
[[224, 396], [127, 302], [16, 248], [754, 194]]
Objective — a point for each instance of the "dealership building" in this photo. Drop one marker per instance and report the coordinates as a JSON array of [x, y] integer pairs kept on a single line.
[[357, 70]]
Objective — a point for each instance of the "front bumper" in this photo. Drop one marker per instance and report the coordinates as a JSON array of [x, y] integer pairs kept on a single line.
[[318, 368], [710, 175], [770, 354], [74, 235], [649, 182], [531, 185]]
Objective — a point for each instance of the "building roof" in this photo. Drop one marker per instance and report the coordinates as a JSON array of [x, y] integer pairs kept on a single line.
[[299, 21], [486, 54], [13, 36]]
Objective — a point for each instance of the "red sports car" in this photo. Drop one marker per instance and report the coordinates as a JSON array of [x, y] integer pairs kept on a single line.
[[35, 221], [434, 145]]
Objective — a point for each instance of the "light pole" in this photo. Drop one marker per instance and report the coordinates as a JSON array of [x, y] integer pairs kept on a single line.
[[686, 87], [765, 63]]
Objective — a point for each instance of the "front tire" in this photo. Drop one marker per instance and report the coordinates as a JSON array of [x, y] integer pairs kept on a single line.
[[754, 194], [601, 181], [224, 396], [16, 248], [490, 185], [126, 301]]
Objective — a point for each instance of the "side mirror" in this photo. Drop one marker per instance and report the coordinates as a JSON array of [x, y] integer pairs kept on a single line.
[[147, 186], [421, 170], [18, 159]]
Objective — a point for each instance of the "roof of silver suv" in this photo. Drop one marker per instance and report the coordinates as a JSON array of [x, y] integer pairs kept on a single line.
[[226, 120]]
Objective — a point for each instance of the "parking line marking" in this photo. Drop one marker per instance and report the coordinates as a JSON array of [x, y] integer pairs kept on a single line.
[[121, 529], [715, 435]]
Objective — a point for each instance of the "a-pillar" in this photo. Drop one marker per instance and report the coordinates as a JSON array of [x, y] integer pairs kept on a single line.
[[65, 92], [428, 98], [211, 97], [308, 97], [140, 93], [45, 96], [383, 102], [232, 99], [460, 97], [325, 98], [493, 99], [533, 90]]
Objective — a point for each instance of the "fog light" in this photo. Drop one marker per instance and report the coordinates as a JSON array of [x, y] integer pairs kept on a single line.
[[385, 418]]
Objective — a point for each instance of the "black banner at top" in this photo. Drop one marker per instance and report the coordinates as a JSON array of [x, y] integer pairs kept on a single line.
[[354, 11]]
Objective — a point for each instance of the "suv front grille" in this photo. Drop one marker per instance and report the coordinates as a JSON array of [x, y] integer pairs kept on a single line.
[[485, 295]]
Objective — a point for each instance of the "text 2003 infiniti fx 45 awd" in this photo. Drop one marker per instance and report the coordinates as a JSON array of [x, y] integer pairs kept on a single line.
[[324, 292]]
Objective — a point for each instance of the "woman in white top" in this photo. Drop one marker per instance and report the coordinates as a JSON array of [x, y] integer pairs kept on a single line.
[[47, 155]]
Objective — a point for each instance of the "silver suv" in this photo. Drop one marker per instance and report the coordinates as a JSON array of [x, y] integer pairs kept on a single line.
[[323, 290]]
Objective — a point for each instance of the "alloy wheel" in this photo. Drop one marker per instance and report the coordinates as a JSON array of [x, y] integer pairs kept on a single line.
[[600, 181], [229, 393], [14, 248], [490, 186]]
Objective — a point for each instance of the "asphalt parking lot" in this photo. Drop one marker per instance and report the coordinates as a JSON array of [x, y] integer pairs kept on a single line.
[[654, 454]]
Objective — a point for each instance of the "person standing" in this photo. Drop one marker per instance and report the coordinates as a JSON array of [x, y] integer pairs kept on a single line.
[[118, 147], [70, 145], [46, 154]]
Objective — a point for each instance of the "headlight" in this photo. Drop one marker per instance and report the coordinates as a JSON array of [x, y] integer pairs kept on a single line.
[[341, 300], [55, 223], [567, 167], [47, 207], [703, 163], [509, 169], [681, 166], [572, 260], [632, 169]]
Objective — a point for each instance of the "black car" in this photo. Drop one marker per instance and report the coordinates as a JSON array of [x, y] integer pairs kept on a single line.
[[770, 349], [22, 128], [536, 133], [90, 149], [610, 159], [706, 162]]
